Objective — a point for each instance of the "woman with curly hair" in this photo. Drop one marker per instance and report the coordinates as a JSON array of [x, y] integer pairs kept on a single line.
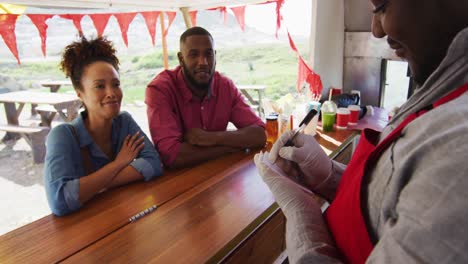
[[103, 147]]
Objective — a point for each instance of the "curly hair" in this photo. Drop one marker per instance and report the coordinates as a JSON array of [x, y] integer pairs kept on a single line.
[[79, 54]]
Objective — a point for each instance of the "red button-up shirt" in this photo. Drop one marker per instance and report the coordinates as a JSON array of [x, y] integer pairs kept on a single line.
[[172, 110]]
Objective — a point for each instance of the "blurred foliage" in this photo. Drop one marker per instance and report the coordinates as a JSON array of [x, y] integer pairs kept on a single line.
[[153, 60], [273, 65]]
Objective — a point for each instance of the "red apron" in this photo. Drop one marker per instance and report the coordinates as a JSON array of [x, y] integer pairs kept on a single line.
[[344, 216]]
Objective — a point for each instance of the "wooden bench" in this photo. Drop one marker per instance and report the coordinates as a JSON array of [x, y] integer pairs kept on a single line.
[[47, 113], [34, 136]]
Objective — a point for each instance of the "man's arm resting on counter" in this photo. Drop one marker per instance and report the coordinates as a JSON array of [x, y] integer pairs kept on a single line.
[[247, 137], [189, 155], [201, 145]]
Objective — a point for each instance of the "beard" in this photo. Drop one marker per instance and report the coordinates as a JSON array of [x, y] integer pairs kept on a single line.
[[193, 82]]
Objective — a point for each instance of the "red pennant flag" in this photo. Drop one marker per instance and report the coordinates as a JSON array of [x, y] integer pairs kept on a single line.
[[291, 43], [303, 73], [279, 4], [7, 31], [239, 12], [40, 22], [222, 10], [171, 16], [100, 22], [124, 20], [193, 17], [315, 84], [306, 74], [269, 2], [76, 18], [150, 19]]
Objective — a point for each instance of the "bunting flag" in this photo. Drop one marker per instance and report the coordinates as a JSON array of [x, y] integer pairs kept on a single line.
[[40, 22], [291, 43], [305, 73], [76, 18], [302, 73], [193, 17], [171, 16], [100, 22], [279, 17], [151, 18], [124, 20], [315, 83], [7, 30], [239, 13], [222, 10]]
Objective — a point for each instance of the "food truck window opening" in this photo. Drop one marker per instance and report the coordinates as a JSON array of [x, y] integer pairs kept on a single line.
[[396, 84]]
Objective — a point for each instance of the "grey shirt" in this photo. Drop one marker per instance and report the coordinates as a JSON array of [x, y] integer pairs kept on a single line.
[[416, 195]]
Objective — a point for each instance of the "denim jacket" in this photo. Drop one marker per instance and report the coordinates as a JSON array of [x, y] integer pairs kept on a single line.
[[64, 167]]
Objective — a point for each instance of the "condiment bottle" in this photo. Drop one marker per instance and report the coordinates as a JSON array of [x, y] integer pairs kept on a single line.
[[272, 128]]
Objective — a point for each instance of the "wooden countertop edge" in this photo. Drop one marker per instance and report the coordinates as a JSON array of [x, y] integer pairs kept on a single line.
[[250, 230]]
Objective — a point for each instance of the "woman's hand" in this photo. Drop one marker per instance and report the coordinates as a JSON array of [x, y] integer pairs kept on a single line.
[[131, 146]]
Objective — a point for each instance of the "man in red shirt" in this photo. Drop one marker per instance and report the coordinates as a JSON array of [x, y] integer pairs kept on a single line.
[[190, 106]]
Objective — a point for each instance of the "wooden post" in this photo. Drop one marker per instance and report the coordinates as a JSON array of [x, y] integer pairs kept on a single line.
[[185, 14], [164, 44]]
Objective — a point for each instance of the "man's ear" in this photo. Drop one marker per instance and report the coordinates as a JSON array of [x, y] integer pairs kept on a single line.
[[180, 57]]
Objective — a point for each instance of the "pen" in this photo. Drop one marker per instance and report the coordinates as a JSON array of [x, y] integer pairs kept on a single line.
[[301, 127], [143, 213]]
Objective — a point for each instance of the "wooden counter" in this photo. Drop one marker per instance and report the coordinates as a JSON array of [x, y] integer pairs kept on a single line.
[[219, 211]]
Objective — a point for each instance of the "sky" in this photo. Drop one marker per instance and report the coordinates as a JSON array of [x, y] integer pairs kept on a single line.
[[296, 14]]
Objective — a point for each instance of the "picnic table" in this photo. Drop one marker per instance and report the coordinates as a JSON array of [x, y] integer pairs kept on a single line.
[[55, 85], [66, 105], [246, 90]]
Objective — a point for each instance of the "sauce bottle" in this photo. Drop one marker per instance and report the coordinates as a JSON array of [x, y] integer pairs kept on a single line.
[[272, 128]]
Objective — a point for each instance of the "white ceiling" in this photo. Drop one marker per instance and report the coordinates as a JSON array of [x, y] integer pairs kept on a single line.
[[163, 5]]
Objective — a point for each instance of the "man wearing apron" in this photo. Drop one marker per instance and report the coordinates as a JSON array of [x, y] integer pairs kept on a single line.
[[403, 198]]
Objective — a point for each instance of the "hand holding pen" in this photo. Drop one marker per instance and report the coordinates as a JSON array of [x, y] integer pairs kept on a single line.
[[302, 126], [308, 159]]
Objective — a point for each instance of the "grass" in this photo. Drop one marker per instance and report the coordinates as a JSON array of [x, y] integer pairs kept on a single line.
[[273, 65]]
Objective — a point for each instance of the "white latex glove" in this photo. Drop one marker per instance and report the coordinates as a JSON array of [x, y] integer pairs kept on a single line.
[[283, 188], [314, 164], [307, 236]]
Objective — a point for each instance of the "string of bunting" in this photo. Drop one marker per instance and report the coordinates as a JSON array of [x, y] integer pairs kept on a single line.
[[100, 20]]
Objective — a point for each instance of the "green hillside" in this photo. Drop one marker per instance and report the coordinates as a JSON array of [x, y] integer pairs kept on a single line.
[[274, 65]]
